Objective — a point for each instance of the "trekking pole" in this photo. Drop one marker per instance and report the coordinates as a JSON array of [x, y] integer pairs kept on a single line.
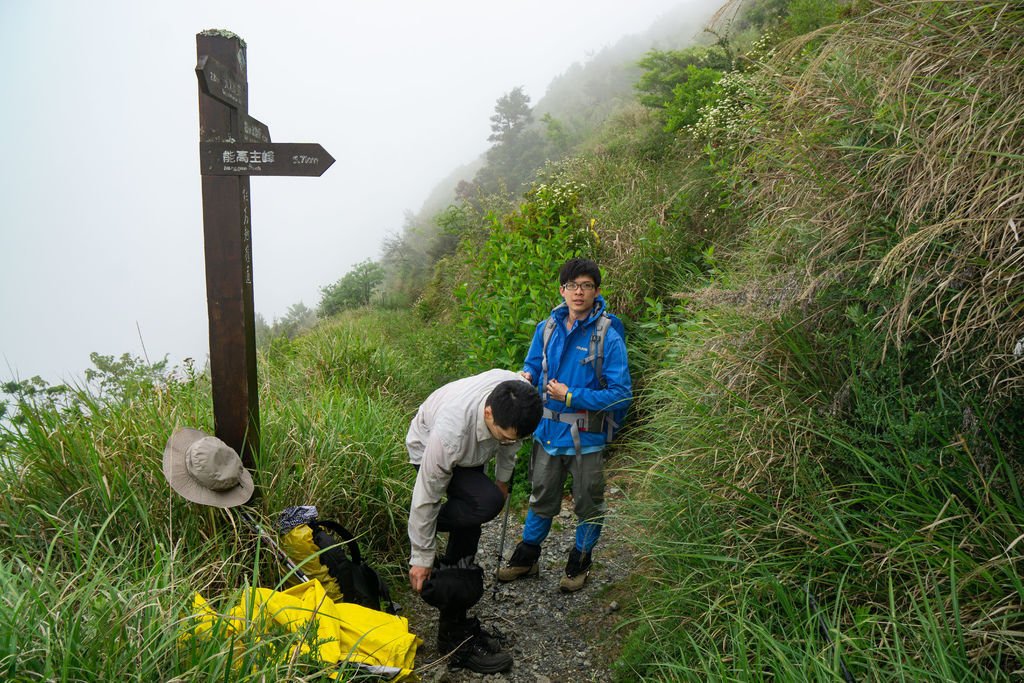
[[504, 528], [823, 629], [274, 547]]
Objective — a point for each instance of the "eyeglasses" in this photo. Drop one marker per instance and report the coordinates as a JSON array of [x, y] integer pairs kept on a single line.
[[585, 286], [501, 435]]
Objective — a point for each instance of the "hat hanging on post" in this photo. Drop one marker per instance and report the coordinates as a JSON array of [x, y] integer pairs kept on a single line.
[[205, 470]]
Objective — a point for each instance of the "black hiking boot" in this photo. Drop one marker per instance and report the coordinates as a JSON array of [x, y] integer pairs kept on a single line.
[[492, 639], [471, 647], [522, 563], [577, 569]]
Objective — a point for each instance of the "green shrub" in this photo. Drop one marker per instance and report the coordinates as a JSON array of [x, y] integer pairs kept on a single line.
[[512, 278]]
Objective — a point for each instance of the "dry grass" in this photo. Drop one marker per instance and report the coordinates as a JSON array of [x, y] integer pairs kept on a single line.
[[901, 144]]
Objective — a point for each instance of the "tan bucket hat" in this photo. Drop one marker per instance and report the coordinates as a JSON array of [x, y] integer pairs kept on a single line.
[[205, 470]]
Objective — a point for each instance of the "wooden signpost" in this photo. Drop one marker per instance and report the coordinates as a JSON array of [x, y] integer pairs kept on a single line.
[[232, 147]]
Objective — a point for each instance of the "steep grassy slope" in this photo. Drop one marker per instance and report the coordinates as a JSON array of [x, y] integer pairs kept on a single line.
[[100, 557], [821, 276], [821, 282]]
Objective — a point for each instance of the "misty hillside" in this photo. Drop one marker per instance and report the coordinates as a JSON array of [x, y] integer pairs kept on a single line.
[[574, 106], [585, 95], [809, 221], [809, 217]]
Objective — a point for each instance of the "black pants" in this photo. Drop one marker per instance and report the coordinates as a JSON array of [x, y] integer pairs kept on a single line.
[[473, 499]]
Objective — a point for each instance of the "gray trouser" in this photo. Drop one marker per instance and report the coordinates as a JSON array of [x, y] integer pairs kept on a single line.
[[548, 474]]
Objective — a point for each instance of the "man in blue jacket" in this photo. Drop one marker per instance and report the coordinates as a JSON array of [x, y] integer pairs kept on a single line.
[[577, 360]]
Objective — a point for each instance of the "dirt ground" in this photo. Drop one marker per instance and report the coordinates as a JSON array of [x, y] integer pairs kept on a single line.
[[553, 637]]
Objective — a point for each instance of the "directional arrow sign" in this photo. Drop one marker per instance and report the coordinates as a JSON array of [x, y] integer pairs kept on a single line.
[[271, 158], [218, 82], [253, 130]]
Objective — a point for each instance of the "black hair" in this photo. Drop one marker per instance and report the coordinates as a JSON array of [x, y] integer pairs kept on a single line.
[[575, 267], [515, 403]]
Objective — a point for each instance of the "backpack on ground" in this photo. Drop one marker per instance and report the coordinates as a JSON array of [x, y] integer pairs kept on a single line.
[[329, 552], [609, 420]]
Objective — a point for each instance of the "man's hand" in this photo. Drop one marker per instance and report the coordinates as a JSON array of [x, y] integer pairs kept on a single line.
[[502, 486], [556, 390], [526, 375], [418, 576]]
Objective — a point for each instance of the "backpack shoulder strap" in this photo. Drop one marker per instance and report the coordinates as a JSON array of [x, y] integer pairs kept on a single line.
[[390, 606], [549, 328], [597, 346], [345, 535]]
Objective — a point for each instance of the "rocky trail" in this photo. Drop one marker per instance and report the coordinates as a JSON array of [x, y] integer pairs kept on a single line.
[[554, 637]]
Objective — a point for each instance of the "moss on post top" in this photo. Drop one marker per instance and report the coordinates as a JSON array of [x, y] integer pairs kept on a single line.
[[223, 33]]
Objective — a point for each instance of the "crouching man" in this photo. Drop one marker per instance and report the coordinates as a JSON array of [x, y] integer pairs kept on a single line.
[[456, 431]]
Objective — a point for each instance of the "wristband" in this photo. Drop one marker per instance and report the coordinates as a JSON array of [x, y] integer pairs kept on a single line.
[[568, 399]]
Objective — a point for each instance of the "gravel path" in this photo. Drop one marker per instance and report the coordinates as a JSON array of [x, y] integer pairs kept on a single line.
[[553, 637]]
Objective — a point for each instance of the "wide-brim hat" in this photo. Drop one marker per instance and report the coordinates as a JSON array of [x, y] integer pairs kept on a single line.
[[205, 470]]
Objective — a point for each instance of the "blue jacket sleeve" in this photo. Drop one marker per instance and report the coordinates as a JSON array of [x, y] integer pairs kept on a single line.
[[618, 392]]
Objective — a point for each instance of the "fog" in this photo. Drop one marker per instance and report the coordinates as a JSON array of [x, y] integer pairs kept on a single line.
[[101, 231]]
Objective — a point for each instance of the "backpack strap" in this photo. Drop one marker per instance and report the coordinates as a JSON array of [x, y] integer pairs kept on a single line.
[[549, 328], [599, 420], [390, 606], [344, 534], [576, 421], [597, 347]]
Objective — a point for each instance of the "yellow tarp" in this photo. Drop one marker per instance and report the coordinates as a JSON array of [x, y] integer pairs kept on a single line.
[[345, 632]]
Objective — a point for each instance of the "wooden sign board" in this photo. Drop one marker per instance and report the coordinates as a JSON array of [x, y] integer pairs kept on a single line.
[[218, 82], [280, 158], [252, 130]]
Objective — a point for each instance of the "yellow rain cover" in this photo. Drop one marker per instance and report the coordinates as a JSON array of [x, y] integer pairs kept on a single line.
[[345, 632], [298, 544]]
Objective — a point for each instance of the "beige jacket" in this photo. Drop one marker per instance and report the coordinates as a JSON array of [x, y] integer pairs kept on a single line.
[[448, 432]]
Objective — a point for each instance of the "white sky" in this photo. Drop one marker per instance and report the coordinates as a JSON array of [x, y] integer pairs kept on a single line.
[[101, 233]]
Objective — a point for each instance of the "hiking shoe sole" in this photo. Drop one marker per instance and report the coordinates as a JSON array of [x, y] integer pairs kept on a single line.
[[480, 661], [571, 584], [506, 574]]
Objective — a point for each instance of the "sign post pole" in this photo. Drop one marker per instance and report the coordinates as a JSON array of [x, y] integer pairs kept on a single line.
[[232, 147]]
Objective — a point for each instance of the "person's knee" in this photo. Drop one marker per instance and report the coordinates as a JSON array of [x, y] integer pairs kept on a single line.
[[590, 509], [547, 507], [589, 504], [453, 590], [491, 503], [543, 503], [590, 514]]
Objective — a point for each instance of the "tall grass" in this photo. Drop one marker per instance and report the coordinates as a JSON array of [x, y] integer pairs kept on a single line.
[[897, 138], [101, 557], [827, 474], [782, 549]]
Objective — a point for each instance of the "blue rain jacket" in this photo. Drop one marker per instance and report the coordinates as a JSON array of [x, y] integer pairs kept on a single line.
[[566, 350]]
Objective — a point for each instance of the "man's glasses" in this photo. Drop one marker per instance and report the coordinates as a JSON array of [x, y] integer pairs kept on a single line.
[[585, 286]]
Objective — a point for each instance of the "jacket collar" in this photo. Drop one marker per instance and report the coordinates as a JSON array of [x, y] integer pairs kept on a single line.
[[482, 432], [561, 311]]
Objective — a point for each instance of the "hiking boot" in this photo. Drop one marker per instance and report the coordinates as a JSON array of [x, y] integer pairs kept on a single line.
[[492, 640], [522, 563], [475, 656], [577, 569], [471, 647], [511, 573]]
